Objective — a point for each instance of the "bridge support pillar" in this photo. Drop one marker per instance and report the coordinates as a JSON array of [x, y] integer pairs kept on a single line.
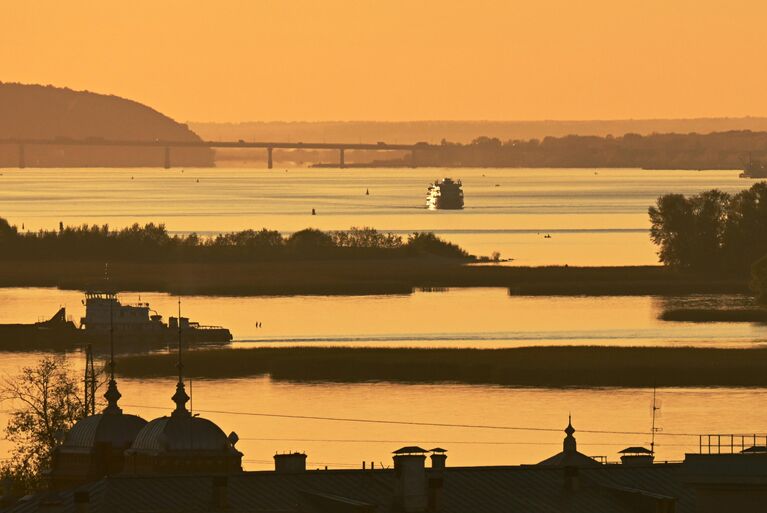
[[167, 157], [341, 160], [269, 160], [22, 157]]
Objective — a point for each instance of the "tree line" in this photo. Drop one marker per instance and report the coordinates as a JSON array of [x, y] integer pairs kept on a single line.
[[152, 242], [718, 150], [713, 232]]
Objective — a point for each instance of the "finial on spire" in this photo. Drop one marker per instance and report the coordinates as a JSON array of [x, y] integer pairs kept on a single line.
[[180, 397], [111, 341], [569, 444], [569, 429]]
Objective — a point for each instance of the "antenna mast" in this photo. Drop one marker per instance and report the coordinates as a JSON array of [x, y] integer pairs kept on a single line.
[[180, 397], [655, 409], [180, 364], [90, 382]]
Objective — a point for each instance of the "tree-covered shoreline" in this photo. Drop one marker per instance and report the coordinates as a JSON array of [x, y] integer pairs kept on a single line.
[[714, 232], [153, 243], [717, 150]]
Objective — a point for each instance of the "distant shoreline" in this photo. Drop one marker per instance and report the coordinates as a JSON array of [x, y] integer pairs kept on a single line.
[[581, 366], [359, 277]]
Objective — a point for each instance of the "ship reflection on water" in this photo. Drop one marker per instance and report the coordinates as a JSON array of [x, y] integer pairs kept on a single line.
[[135, 327]]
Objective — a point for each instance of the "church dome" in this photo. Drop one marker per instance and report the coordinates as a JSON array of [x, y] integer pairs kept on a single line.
[[95, 446], [181, 433], [182, 443], [119, 431]]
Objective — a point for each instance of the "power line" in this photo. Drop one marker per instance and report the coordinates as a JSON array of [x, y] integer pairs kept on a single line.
[[436, 442], [415, 423]]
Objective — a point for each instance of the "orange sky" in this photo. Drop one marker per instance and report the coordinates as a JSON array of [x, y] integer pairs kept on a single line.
[[228, 60]]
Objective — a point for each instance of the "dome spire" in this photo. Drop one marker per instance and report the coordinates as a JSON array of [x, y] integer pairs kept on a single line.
[[569, 444], [112, 395], [180, 397]]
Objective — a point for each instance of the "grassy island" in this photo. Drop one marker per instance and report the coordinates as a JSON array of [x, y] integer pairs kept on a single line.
[[583, 366], [358, 277], [265, 262]]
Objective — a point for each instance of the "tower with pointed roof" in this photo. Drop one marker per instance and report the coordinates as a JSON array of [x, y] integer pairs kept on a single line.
[[95, 446], [182, 443], [569, 457]]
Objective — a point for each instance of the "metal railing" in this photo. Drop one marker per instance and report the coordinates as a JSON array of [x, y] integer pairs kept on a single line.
[[718, 443]]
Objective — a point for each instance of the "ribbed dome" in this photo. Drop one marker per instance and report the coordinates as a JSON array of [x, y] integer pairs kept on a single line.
[[181, 433], [117, 430]]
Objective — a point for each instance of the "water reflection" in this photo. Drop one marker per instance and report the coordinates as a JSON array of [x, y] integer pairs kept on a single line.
[[263, 412], [528, 422], [593, 220], [479, 318]]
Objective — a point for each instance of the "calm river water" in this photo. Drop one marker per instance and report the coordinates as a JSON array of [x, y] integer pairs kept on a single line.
[[478, 318], [593, 217], [456, 318]]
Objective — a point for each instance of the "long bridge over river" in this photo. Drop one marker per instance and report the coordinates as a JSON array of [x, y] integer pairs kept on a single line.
[[414, 149]]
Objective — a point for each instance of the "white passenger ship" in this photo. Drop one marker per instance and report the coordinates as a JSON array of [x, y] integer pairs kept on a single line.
[[445, 195]]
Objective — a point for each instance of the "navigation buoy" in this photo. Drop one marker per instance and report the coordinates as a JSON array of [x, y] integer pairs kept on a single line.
[[367, 192], [314, 212]]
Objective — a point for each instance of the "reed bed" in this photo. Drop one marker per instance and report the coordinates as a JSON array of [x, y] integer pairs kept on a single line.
[[583, 366], [350, 277], [716, 315]]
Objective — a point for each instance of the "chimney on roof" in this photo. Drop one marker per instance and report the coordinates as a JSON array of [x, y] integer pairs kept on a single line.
[[436, 479], [438, 459], [82, 501], [290, 463], [410, 486], [636, 456]]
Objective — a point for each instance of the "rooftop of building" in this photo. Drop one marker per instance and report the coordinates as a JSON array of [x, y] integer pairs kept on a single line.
[[607, 488]]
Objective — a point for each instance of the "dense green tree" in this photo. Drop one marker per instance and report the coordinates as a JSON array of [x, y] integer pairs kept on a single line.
[[711, 231], [672, 230]]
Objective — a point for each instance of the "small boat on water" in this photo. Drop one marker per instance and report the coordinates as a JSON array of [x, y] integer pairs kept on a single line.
[[445, 195], [133, 325]]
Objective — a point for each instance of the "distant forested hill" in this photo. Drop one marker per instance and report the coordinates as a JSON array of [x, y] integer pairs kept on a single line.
[[715, 143], [46, 112], [462, 131], [718, 150]]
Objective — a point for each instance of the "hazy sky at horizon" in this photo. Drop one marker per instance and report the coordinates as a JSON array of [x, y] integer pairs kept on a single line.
[[235, 60]]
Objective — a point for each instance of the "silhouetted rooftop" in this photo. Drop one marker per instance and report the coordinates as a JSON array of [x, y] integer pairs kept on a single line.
[[410, 449], [605, 488], [635, 450]]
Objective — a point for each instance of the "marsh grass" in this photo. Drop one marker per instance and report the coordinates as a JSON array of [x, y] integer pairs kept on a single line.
[[715, 315], [350, 277], [583, 366]]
